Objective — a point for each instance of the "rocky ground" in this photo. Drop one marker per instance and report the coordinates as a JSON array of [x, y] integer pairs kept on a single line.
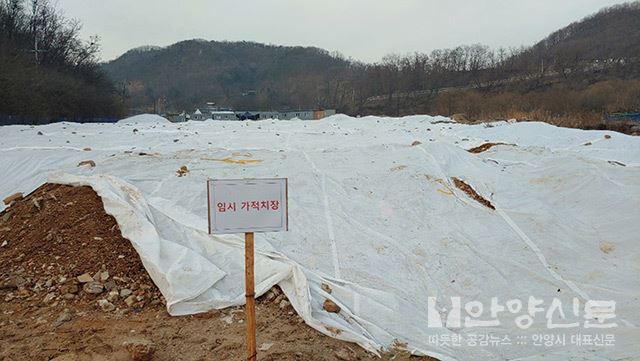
[[72, 288]]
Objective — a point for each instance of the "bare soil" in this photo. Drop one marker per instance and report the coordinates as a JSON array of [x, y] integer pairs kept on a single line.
[[58, 233], [460, 184], [483, 147]]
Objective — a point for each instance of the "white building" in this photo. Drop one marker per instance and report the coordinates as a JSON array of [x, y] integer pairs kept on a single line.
[[223, 115], [198, 115]]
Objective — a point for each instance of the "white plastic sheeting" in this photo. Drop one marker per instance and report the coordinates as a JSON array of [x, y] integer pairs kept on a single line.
[[377, 219]]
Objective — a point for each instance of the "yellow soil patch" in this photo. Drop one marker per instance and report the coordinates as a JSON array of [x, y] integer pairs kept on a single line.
[[446, 190], [607, 247], [235, 161]]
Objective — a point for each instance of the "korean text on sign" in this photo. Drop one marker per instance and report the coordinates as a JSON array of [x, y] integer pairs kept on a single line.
[[247, 205]]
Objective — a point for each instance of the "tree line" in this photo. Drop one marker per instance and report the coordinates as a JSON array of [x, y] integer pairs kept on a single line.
[[582, 71], [46, 71], [574, 76]]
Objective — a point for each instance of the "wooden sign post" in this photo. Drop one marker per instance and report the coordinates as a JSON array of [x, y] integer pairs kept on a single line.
[[248, 206], [250, 305]]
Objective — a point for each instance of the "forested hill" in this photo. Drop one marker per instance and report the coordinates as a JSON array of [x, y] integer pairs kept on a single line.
[[601, 47], [612, 34], [241, 74]]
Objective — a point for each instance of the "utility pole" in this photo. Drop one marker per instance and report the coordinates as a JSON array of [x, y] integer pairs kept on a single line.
[[34, 30], [35, 46]]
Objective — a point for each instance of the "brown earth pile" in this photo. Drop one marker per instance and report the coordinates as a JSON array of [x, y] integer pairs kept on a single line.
[[72, 288], [59, 233], [463, 186], [483, 147]]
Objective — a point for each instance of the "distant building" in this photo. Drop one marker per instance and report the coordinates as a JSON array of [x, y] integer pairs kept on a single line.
[[306, 114], [211, 112], [248, 116], [223, 115], [628, 116], [176, 118], [197, 115]]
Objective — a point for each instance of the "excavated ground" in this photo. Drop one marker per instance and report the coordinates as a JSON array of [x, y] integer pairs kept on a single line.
[[72, 288]]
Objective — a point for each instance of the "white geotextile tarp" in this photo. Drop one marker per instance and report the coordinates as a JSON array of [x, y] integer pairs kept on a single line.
[[377, 219]]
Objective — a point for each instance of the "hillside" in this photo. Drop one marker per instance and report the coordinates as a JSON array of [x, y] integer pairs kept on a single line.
[[47, 72], [613, 33], [573, 77], [611, 36], [241, 74]]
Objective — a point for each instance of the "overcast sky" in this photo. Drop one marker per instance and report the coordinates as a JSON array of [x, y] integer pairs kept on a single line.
[[362, 29]]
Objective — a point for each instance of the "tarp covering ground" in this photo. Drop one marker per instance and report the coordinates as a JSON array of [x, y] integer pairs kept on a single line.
[[380, 219]]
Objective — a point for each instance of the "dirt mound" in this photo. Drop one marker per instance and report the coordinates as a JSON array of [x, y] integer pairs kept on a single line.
[[483, 147], [72, 288], [59, 233], [460, 184]]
